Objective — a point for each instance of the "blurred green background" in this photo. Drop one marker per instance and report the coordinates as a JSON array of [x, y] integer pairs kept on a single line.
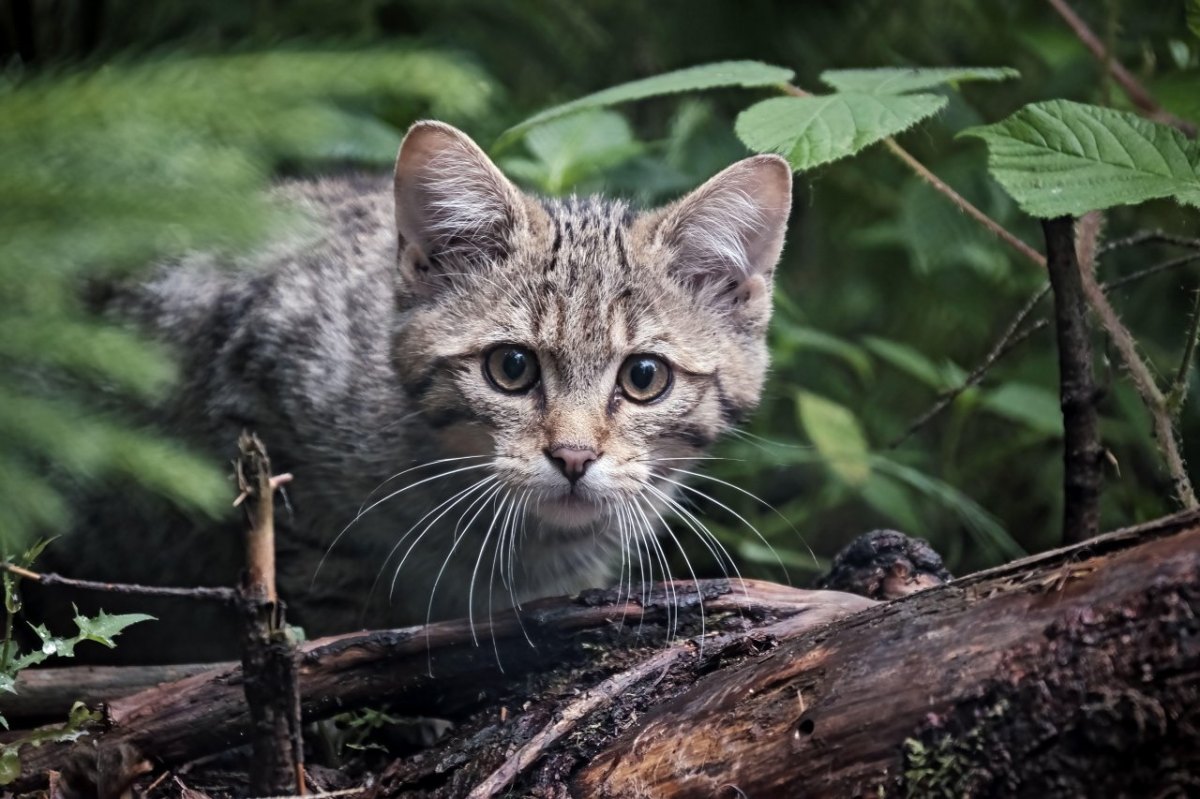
[[133, 131]]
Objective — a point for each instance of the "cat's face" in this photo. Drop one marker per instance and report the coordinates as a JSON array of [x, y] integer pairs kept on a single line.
[[588, 350]]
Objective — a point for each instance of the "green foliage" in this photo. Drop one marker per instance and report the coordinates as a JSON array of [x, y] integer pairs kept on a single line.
[[811, 131], [567, 152], [745, 74], [1061, 158], [110, 170], [101, 629], [836, 434], [903, 81]]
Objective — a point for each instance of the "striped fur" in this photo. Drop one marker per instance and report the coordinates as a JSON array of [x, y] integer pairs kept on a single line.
[[356, 354]]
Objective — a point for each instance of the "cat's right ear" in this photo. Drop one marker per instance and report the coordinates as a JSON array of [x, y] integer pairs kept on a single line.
[[455, 211]]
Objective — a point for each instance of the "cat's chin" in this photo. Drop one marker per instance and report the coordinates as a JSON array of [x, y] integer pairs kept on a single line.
[[569, 512]]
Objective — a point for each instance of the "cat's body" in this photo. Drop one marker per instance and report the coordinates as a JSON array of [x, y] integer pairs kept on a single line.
[[549, 359]]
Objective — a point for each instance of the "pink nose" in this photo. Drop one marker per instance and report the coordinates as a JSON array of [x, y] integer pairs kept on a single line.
[[572, 461]]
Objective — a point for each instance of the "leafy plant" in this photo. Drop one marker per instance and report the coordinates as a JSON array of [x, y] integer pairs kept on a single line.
[[101, 629]]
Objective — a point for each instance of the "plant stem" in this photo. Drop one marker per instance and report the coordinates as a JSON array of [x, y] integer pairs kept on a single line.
[[941, 186], [1147, 387], [1133, 88], [1178, 392], [1082, 453]]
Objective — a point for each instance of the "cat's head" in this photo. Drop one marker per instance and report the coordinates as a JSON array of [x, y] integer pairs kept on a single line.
[[586, 347]]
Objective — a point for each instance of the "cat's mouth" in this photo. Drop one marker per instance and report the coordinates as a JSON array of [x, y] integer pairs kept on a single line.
[[569, 510]]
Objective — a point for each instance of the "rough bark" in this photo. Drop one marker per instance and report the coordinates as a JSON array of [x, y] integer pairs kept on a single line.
[[1071, 674], [1082, 454], [1074, 673], [436, 670]]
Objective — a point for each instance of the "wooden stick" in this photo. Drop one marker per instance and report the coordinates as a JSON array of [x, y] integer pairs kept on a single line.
[[214, 594], [1082, 453], [269, 659]]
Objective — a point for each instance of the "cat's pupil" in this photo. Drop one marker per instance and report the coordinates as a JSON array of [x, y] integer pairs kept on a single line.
[[641, 374], [515, 364]]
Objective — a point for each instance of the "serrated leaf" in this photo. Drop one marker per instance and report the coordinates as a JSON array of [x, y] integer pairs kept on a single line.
[[744, 74], [837, 436], [1060, 158], [103, 627], [904, 80], [810, 131]]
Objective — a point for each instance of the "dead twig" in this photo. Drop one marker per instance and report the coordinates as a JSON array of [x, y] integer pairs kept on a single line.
[[269, 658], [1149, 237], [1178, 391], [1134, 90], [215, 594], [1014, 333]]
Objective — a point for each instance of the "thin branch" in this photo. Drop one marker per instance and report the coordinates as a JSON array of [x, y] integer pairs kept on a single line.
[[1147, 387], [937, 183], [1134, 90], [1150, 237], [1134, 277], [1178, 393], [1082, 453], [1013, 335], [227, 595]]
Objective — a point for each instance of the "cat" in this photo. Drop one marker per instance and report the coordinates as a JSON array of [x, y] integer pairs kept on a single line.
[[481, 393]]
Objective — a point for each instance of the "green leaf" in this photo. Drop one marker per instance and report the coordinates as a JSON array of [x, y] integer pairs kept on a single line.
[[570, 150], [746, 74], [791, 336], [1033, 406], [103, 628], [10, 764], [1060, 158], [1193, 17], [904, 80], [837, 436], [811, 131], [914, 363]]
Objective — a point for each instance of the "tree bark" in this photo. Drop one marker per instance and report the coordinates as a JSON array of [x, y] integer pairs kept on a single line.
[[437, 670], [1082, 453], [1071, 674]]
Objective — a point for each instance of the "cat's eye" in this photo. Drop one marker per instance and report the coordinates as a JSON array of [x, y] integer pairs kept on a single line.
[[511, 368], [644, 378]]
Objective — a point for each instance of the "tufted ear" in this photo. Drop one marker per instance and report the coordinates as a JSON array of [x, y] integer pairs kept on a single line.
[[455, 211], [726, 236]]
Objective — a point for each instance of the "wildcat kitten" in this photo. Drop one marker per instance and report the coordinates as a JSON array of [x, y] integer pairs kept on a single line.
[[500, 382]]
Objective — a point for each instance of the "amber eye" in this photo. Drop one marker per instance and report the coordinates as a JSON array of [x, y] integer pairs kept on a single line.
[[511, 368], [644, 378]]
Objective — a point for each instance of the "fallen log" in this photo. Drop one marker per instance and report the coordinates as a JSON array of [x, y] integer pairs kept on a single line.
[[440, 669], [1075, 673]]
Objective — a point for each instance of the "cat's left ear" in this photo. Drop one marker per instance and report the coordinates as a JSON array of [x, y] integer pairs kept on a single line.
[[725, 237]]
